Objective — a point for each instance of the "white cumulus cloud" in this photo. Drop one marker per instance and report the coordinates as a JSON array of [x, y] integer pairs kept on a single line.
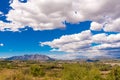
[[1, 13], [83, 43], [96, 26], [47, 15], [113, 26], [1, 44]]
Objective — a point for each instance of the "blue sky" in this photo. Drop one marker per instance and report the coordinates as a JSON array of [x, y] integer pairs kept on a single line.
[[67, 29]]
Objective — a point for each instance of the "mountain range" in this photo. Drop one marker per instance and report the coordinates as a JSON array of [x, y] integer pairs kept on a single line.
[[35, 57], [38, 57]]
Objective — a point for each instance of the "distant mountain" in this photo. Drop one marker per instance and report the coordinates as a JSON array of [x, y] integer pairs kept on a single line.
[[2, 58], [38, 57], [35, 57], [92, 60], [105, 57], [97, 58]]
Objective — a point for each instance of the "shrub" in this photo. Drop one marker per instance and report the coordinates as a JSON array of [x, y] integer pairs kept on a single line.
[[35, 70], [114, 74], [73, 72], [78, 72]]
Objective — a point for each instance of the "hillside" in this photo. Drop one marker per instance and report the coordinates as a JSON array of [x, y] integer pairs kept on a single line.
[[30, 57]]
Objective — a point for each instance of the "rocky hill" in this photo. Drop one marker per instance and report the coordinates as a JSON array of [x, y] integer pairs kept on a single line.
[[36, 57]]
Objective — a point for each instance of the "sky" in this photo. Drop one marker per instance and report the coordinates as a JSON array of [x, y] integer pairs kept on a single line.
[[67, 29]]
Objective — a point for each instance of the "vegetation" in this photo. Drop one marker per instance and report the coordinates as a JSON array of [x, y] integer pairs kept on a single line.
[[58, 70]]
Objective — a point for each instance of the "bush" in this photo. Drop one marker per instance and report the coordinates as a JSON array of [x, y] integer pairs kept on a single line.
[[73, 72], [105, 67], [77, 72], [114, 74], [35, 70]]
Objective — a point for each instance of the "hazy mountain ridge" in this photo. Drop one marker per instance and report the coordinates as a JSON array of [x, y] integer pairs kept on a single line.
[[38, 57], [31, 57]]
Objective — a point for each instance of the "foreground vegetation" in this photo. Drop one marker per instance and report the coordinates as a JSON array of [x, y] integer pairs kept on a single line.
[[58, 70]]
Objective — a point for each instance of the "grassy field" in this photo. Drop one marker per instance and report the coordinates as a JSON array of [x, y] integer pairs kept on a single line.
[[59, 70]]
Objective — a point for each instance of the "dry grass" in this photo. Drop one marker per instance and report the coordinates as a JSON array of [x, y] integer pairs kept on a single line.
[[55, 71]]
